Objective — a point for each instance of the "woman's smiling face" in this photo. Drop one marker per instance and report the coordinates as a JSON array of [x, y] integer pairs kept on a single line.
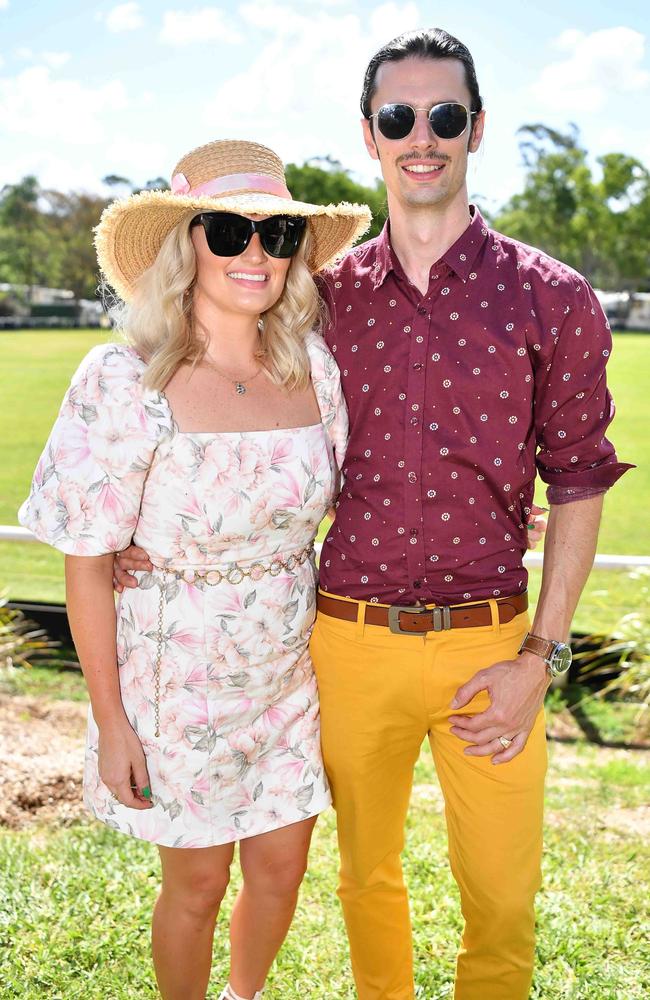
[[250, 283]]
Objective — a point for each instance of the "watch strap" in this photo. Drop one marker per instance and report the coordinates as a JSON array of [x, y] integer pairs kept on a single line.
[[540, 647]]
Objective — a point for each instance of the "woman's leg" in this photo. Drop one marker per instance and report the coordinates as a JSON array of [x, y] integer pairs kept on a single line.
[[194, 882], [273, 866]]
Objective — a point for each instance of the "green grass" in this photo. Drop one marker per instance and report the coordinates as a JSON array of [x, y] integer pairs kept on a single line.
[[76, 901], [76, 906], [36, 370]]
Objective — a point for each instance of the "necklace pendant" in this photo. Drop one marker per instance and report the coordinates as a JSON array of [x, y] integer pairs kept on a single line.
[[240, 389]]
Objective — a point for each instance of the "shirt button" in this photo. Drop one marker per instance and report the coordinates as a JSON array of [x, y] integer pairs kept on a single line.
[[413, 531], [417, 584], [413, 421], [418, 366], [412, 478], [422, 311]]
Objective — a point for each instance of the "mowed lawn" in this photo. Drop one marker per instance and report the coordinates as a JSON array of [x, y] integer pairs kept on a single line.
[[35, 371], [76, 900]]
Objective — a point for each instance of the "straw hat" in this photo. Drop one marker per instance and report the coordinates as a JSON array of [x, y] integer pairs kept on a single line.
[[223, 176]]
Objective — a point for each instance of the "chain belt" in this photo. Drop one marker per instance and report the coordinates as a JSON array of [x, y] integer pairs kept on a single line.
[[235, 574]]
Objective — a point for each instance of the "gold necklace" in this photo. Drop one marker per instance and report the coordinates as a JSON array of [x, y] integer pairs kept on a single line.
[[239, 384]]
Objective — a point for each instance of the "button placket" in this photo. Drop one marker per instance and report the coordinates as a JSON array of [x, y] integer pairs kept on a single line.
[[414, 408]]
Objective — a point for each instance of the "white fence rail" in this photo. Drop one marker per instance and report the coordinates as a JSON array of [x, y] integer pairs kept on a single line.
[[9, 533]]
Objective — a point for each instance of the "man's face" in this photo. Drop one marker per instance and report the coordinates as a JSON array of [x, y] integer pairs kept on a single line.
[[423, 83]]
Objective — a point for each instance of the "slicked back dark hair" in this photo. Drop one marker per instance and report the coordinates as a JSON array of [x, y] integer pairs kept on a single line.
[[431, 43]]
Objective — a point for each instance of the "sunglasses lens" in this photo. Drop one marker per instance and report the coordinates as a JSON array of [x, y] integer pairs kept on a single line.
[[281, 234], [395, 121], [227, 235], [448, 121]]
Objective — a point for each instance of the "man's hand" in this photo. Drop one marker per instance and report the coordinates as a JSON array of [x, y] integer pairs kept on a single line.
[[516, 689], [125, 563]]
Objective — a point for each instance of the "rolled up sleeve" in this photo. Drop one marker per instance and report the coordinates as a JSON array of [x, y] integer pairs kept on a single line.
[[573, 406]]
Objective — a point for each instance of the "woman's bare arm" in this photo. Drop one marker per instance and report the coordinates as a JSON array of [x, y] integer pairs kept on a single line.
[[92, 617]]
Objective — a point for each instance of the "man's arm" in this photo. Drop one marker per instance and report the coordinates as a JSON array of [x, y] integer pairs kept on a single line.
[[517, 687], [569, 552]]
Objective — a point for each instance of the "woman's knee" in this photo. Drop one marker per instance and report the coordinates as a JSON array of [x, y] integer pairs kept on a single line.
[[280, 876], [199, 890]]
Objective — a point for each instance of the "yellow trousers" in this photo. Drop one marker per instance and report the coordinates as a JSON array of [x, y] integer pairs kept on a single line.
[[380, 695]]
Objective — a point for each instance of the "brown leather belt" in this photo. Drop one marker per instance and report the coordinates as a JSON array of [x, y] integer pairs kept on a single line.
[[405, 619]]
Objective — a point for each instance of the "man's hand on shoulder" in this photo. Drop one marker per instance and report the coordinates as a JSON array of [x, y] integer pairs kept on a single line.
[[516, 689], [126, 563]]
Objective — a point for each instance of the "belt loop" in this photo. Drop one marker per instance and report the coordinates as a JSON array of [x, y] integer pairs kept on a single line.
[[494, 612], [361, 620]]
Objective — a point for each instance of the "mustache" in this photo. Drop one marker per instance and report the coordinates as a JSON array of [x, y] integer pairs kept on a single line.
[[433, 154]]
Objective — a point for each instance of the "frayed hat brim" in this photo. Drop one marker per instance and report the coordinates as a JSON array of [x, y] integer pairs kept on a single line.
[[131, 231]]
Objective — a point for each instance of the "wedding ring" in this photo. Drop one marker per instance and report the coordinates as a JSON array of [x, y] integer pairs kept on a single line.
[[505, 742]]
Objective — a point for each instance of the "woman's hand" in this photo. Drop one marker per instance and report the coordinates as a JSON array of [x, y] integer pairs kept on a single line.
[[133, 558], [123, 766], [536, 525]]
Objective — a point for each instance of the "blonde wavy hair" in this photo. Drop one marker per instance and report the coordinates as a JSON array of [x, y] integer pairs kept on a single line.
[[158, 322]]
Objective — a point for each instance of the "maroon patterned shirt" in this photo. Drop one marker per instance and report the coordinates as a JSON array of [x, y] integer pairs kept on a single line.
[[456, 399]]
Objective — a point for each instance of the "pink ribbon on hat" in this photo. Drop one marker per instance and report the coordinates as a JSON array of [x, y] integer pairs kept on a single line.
[[231, 183]]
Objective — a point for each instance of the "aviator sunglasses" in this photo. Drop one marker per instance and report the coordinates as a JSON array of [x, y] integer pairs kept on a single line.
[[447, 121], [228, 235]]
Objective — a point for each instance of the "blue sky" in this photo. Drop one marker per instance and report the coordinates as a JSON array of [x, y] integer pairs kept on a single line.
[[88, 89]]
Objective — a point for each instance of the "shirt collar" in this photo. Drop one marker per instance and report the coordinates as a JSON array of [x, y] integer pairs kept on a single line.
[[385, 259], [460, 256]]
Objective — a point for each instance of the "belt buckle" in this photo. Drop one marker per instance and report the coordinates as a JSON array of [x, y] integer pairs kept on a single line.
[[441, 618]]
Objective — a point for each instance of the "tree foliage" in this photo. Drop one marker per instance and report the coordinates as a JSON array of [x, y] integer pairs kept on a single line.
[[599, 225], [324, 181], [597, 222]]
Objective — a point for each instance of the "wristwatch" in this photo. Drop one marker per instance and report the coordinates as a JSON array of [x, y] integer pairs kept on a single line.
[[556, 655]]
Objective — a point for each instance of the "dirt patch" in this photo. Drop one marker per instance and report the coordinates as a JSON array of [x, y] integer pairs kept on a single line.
[[41, 760], [626, 820]]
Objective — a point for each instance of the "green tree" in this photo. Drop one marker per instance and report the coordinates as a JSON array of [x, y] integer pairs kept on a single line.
[[625, 186], [71, 220], [600, 227], [26, 254], [324, 181]]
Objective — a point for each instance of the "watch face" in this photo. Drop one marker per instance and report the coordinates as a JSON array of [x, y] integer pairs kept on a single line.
[[560, 658]]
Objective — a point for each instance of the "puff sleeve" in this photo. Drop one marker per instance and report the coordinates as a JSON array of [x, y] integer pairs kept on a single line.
[[326, 380], [87, 488]]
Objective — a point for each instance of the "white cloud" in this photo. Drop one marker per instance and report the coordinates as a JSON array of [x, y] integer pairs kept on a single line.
[[604, 64], [59, 173], [300, 93], [207, 24], [139, 160], [52, 59], [55, 60], [124, 17], [33, 103], [311, 66], [4, 4]]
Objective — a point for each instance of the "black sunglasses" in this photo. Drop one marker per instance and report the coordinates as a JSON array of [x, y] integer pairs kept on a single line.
[[447, 121], [228, 235]]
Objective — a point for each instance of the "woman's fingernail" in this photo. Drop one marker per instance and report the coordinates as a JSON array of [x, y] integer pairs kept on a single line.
[[530, 527], [146, 792]]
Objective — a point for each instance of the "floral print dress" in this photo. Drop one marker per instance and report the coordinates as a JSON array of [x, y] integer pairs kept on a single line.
[[213, 657]]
